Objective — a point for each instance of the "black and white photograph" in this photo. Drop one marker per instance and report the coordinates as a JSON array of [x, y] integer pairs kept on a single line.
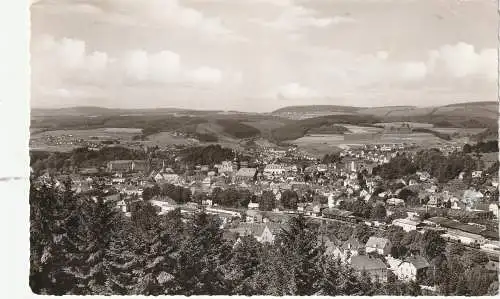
[[263, 148]]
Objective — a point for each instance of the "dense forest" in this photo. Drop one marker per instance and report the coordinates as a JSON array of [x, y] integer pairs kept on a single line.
[[237, 129], [211, 154], [300, 128], [482, 147], [81, 158], [432, 161]]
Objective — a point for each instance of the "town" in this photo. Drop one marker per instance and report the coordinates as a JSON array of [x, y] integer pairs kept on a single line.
[[375, 205]]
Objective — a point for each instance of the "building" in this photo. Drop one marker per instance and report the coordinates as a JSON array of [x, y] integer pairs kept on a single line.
[[493, 208], [263, 232], [381, 246], [412, 268], [353, 246], [463, 237], [407, 224], [374, 267], [246, 175], [395, 201], [470, 197], [126, 166], [226, 167], [322, 168], [274, 169], [477, 174], [253, 205]]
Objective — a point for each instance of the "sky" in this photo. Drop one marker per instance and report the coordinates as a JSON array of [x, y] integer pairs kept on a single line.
[[260, 55]]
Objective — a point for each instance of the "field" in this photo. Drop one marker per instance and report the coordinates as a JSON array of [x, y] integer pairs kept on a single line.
[[412, 124], [167, 138], [466, 131], [361, 129], [420, 138], [322, 144], [215, 130], [103, 133], [52, 148], [67, 140], [266, 124]]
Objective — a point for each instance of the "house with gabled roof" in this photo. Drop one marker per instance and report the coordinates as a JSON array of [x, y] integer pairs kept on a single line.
[[353, 246], [374, 267], [263, 232], [381, 246], [412, 268]]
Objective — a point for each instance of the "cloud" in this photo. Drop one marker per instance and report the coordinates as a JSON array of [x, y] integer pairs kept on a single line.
[[160, 67], [206, 75], [166, 67], [68, 54], [413, 70], [295, 17], [159, 13], [462, 59], [152, 14], [294, 91]]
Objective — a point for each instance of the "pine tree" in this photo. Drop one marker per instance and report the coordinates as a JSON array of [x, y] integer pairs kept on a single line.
[[202, 257], [273, 277], [121, 261], [91, 242], [298, 242], [244, 262], [159, 253], [52, 219]]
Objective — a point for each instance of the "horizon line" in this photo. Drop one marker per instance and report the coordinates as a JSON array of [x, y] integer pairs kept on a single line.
[[242, 111]]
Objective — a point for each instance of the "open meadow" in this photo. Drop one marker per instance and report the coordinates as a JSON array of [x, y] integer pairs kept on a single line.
[[101, 133]]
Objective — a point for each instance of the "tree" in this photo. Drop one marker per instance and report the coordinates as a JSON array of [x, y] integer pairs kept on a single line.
[[244, 263], [267, 201], [144, 216], [273, 276], [289, 199], [121, 261], [159, 251], [362, 232], [54, 217], [379, 212], [432, 244], [93, 241], [339, 280], [201, 258], [298, 243]]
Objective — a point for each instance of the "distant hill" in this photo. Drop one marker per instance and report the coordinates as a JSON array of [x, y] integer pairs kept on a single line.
[[76, 111], [287, 123], [316, 108], [318, 124], [100, 111], [474, 109]]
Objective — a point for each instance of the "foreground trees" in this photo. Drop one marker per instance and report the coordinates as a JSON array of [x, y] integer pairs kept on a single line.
[[83, 245]]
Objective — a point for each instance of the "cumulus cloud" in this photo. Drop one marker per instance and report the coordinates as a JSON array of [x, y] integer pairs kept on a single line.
[[462, 59], [166, 67], [68, 54], [447, 62], [159, 13], [294, 91]]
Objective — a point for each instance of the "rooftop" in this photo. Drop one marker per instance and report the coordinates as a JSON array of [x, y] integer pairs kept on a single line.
[[364, 262]]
